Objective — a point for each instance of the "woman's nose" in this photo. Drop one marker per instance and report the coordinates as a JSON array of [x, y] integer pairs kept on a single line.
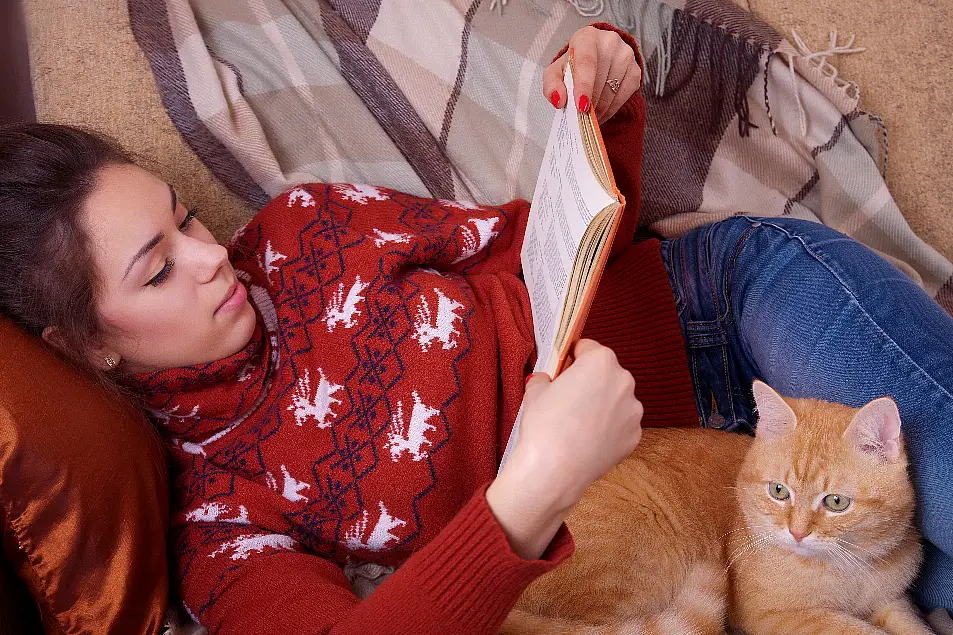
[[210, 258]]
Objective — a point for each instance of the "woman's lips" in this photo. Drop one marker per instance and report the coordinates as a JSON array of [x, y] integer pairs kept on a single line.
[[235, 298]]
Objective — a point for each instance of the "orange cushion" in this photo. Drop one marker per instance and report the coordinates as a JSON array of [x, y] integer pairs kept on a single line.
[[84, 494]]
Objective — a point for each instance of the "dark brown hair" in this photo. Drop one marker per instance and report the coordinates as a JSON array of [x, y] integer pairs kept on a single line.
[[47, 277]]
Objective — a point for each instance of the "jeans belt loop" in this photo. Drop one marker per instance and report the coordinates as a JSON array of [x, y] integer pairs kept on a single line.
[[705, 334]]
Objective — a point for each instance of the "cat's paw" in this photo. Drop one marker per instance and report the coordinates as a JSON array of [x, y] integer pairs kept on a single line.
[[941, 621], [901, 617]]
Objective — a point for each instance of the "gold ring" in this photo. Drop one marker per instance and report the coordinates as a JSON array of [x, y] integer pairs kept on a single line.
[[613, 84]]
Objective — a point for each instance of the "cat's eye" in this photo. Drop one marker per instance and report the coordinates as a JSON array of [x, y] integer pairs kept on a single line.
[[836, 502], [778, 492]]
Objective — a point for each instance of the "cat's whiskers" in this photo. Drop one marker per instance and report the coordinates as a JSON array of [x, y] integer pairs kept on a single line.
[[751, 532], [756, 548], [857, 564], [871, 572], [754, 543], [870, 553], [745, 540], [860, 561], [842, 558], [746, 528]]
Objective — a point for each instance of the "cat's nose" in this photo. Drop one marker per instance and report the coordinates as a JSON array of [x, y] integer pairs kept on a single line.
[[798, 534]]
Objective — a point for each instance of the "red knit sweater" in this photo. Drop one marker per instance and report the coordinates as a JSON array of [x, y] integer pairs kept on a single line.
[[368, 413]]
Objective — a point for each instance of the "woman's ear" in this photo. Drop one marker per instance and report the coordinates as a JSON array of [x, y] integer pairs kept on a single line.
[[100, 357], [52, 336]]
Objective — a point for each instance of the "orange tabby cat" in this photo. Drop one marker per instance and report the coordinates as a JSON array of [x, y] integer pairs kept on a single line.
[[808, 528]]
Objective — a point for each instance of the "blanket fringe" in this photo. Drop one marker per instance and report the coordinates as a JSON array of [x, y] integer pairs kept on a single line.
[[585, 8], [801, 52], [498, 5], [665, 33], [653, 32], [588, 8], [730, 55], [733, 62], [668, 35]]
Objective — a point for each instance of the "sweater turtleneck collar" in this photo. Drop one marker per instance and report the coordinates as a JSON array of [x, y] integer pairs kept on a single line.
[[195, 405]]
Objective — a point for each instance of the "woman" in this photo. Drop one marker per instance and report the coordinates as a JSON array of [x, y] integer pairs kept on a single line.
[[338, 385]]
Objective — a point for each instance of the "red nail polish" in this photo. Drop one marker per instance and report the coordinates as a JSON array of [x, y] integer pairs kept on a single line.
[[555, 98], [528, 377], [583, 103]]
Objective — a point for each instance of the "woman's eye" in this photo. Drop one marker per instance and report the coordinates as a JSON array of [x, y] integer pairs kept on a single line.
[[836, 502], [187, 221], [778, 492], [163, 273]]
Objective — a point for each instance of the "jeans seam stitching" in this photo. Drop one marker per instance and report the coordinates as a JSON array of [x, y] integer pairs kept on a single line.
[[728, 391], [695, 382], [729, 268], [708, 264], [681, 264], [674, 281]]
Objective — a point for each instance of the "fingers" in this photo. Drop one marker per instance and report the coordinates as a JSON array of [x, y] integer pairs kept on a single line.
[[554, 89], [585, 66], [600, 90], [598, 56], [594, 54], [583, 346], [595, 360], [626, 70], [534, 384]]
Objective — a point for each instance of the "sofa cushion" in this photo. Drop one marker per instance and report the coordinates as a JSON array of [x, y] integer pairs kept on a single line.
[[18, 612], [84, 493]]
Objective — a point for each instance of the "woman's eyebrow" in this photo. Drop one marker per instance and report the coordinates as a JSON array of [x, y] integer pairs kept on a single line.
[[149, 246]]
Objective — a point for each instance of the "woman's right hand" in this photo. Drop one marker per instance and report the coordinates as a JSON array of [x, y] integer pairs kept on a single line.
[[579, 426], [573, 431]]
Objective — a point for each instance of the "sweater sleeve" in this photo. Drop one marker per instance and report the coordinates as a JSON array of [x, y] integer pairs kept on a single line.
[[464, 581], [380, 233]]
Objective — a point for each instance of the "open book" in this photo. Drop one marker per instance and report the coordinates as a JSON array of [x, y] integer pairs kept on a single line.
[[573, 219]]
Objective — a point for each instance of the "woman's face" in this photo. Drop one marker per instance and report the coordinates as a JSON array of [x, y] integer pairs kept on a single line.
[[169, 296]]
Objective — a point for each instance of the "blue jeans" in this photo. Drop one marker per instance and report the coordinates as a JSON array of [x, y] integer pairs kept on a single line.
[[816, 314]]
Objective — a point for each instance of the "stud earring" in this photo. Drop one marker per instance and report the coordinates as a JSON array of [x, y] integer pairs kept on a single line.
[[110, 362]]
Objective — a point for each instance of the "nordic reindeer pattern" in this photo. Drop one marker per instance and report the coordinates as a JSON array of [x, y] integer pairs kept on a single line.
[[218, 512], [442, 326], [314, 405], [380, 535], [309, 294], [270, 258], [343, 310], [410, 437]]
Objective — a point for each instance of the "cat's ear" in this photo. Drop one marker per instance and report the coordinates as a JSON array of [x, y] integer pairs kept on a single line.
[[876, 429], [775, 417]]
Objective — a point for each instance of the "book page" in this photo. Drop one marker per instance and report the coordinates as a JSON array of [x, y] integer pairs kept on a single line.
[[566, 199]]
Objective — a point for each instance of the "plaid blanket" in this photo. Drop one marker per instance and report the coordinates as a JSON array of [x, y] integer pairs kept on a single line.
[[442, 98]]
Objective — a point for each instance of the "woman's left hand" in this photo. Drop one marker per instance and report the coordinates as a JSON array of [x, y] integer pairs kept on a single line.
[[598, 57]]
